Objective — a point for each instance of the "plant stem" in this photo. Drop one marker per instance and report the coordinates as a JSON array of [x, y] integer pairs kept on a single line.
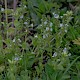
[[6, 15], [6, 11]]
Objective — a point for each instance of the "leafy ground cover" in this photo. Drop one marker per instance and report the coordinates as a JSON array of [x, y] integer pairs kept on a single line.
[[40, 40]]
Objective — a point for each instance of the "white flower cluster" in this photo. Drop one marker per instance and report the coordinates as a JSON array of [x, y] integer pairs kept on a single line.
[[65, 52], [48, 28], [64, 25], [14, 40]]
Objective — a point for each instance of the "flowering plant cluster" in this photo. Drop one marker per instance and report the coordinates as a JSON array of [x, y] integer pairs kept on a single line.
[[41, 42]]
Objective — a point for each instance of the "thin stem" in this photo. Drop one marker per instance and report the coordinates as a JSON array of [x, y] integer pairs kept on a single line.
[[14, 8], [6, 11], [6, 15]]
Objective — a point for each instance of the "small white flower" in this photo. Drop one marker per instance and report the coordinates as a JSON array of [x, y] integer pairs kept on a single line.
[[35, 36], [51, 29], [47, 28], [45, 22], [66, 25], [65, 52], [55, 54], [53, 13], [26, 30], [44, 36], [61, 16], [21, 16], [41, 19], [32, 25], [25, 6], [69, 54], [19, 40], [61, 25], [51, 24], [19, 5], [2, 9], [65, 31], [25, 23], [13, 40], [56, 16], [16, 58], [40, 25], [65, 49]]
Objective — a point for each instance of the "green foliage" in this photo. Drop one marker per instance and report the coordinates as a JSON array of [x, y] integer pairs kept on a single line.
[[40, 46]]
